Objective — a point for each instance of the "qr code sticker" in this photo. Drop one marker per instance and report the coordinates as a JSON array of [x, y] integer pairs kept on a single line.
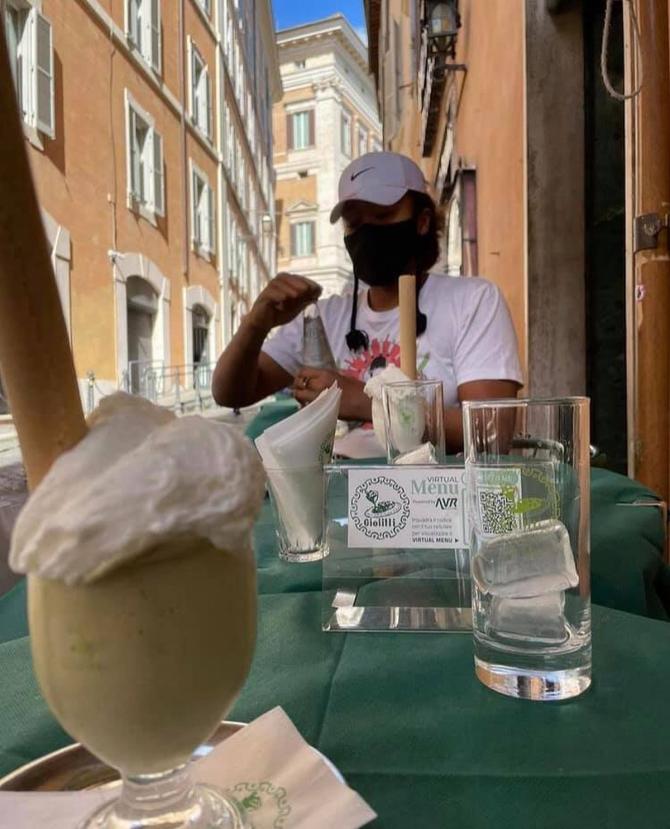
[[496, 509]]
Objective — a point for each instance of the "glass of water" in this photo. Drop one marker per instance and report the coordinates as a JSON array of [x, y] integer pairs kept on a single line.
[[527, 472]]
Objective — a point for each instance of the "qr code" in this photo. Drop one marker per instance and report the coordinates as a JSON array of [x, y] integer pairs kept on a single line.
[[497, 512]]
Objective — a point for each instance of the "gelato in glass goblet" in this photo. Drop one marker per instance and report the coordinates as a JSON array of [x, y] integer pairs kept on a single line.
[[141, 664]]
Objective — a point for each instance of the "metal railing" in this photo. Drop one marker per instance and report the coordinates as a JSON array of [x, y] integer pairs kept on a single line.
[[179, 387]]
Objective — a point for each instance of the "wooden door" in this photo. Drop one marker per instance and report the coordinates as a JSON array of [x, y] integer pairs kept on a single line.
[[648, 271]]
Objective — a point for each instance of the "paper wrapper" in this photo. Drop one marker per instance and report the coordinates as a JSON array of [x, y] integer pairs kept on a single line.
[[424, 455], [267, 767]]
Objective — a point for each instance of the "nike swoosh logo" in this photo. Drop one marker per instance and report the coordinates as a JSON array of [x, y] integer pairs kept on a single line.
[[360, 173]]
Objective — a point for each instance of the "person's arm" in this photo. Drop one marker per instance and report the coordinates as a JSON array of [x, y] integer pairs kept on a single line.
[[475, 390], [243, 373], [486, 360]]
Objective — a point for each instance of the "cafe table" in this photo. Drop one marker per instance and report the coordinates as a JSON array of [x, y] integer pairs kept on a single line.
[[408, 724]]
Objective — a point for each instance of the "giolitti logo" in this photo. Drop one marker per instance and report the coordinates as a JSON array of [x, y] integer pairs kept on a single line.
[[379, 508]]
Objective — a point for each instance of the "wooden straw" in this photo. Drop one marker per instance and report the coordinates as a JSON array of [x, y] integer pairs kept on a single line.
[[35, 358], [407, 303]]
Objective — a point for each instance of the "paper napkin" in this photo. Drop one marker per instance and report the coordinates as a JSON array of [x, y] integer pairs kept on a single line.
[[280, 780]]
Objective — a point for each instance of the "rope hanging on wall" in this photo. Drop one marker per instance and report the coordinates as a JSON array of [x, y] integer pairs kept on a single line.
[[620, 96]]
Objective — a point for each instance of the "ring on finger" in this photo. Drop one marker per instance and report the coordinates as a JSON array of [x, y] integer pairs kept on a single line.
[[305, 382]]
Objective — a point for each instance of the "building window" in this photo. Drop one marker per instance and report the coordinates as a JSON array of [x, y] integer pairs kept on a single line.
[[300, 64], [201, 321], [141, 309], [454, 240], [200, 92], [202, 212], [30, 47], [229, 43], [301, 130], [206, 6], [230, 143], [145, 161], [4, 403], [461, 251], [362, 141], [398, 67], [231, 238], [469, 222], [345, 133], [302, 239], [242, 183], [143, 28]]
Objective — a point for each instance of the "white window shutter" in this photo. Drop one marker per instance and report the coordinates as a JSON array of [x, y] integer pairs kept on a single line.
[[43, 77], [155, 24], [159, 179], [208, 104], [133, 157], [195, 224], [200, 98], [191, 79], [132, 19], [211, 241]]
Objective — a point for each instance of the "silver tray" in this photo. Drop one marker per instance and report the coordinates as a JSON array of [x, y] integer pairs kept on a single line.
[[75, 769]]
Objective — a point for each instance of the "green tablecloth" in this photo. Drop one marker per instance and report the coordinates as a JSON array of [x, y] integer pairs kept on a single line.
[[404, 718]]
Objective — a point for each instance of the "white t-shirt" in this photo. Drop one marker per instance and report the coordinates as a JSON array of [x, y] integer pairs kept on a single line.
[[469, 335]]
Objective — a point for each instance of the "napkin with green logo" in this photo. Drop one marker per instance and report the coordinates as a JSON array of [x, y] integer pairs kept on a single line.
[[280, 781]]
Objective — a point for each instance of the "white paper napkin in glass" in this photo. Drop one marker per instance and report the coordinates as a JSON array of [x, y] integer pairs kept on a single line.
[[280, 779], [300, 439]]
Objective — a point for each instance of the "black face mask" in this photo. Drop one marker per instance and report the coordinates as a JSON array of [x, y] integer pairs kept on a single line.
[[381, 253]]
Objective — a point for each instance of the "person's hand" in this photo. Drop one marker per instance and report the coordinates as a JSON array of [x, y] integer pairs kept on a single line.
[[282, 300], [310, 382]]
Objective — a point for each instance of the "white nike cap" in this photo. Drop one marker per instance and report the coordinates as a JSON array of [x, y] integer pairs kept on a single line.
[[380, 178]]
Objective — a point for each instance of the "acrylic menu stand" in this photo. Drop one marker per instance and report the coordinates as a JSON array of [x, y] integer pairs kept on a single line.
[[391, 588]]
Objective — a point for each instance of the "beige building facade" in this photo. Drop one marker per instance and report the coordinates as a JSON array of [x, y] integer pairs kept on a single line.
[[150, 137], [326, 117]]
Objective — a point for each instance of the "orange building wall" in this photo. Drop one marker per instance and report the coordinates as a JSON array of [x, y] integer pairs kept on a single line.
[[82, 181], [490, 135]]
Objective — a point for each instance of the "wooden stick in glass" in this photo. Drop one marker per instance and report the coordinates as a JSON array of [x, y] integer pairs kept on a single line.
[[38, 373], [407, 305]]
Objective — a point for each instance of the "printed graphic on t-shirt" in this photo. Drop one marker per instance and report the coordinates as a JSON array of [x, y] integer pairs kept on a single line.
[[381, 353]]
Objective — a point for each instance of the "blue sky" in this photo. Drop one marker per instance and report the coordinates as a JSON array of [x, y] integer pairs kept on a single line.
[[292, 12]]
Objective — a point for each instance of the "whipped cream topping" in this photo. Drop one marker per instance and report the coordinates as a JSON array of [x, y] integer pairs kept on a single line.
[[139, 478]]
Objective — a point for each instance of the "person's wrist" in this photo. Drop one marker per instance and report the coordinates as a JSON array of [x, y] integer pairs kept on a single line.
[[255, 325]]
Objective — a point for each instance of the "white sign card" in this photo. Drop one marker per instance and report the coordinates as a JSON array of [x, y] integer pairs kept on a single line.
[[407, 507]]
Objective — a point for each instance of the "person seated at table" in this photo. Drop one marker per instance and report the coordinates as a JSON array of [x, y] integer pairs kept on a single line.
[[465, 336]]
